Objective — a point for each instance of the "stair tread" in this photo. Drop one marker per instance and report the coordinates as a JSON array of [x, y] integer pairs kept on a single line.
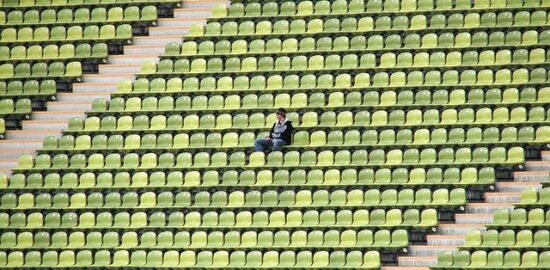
[[72, 94], [179, 19], [511, 183], [10, 141], [405, 268], [93, 84], [419, 258], [538, 162], [444, 236], [502, 193], [69, 102], [178, 10], [144, 46], [118, 65], [45, 121], [135, 56], [168, 27], [33, 131], [11, 151], [433, 246], [57, 112], [109, 75], [156, 37], [532, 172], [462, 225], [488, 204], [472, 215]]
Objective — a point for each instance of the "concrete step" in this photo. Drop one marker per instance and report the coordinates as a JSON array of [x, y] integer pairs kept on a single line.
[[132, 59], [202, 3], [543, 165], [516, 186], [8, 163], [168, 30], [459, 229], [15, 153], [107, 78], [405, 268], [32, 134], [536, 176], [80, 97], [502, 197], [144, 49], [44, 124], [69, 106], [417, 261], [119, 68], [473, 218], [445, 240], [196, 13], [429, 250], [26, 145], [179, 21], [155, 40], [486, 208], [94, 87], [57, 115]]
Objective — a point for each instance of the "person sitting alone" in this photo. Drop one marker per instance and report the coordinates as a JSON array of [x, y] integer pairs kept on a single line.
[[279, 136]]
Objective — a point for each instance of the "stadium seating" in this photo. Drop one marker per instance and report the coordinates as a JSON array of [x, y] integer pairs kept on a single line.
[[401, 109], [45, 46]]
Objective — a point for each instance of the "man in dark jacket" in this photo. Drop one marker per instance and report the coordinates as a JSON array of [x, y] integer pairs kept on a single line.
[[279, 136]]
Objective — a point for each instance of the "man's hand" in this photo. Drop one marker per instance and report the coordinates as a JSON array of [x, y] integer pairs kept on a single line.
[[268, 138]]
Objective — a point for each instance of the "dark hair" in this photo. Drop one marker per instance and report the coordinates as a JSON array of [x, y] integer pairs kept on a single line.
[[281, 111]]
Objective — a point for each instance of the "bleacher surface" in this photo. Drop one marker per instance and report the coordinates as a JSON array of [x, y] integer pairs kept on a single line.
[[421, 133]]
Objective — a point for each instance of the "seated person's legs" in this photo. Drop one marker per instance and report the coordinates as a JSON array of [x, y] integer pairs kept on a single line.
[[260, 145], [278, 144]]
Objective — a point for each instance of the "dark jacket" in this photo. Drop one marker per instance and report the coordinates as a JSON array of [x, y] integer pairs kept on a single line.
[[283, 131]]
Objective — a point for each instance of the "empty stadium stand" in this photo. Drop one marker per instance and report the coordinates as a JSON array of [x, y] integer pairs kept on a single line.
[[422, 129]]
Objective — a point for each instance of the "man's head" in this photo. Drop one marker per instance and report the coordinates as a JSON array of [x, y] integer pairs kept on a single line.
[[281, 114]]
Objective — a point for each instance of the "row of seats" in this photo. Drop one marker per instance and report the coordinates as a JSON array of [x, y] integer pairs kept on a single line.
[[31, 88], [507, 239], [373, 43], [282, 178], [324, 82], [34, 18], [191, 259], [191, 123], [303, 199], [372, 99], [64, 34], [532, 198], [469, 59], [23, 4], [202, 239], [481, 259], [304, 8], [41, 70], [8, 107], [518, 218], [394, 218], [363, 24], [415, 78], [325, 158], [349, 138], [53, 52], [2, 128]]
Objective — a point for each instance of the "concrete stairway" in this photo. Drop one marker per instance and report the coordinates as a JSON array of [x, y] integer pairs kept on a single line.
[[451, 235], [93, 86]]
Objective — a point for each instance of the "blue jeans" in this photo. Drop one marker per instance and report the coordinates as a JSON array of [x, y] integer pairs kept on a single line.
[[260, 145]]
